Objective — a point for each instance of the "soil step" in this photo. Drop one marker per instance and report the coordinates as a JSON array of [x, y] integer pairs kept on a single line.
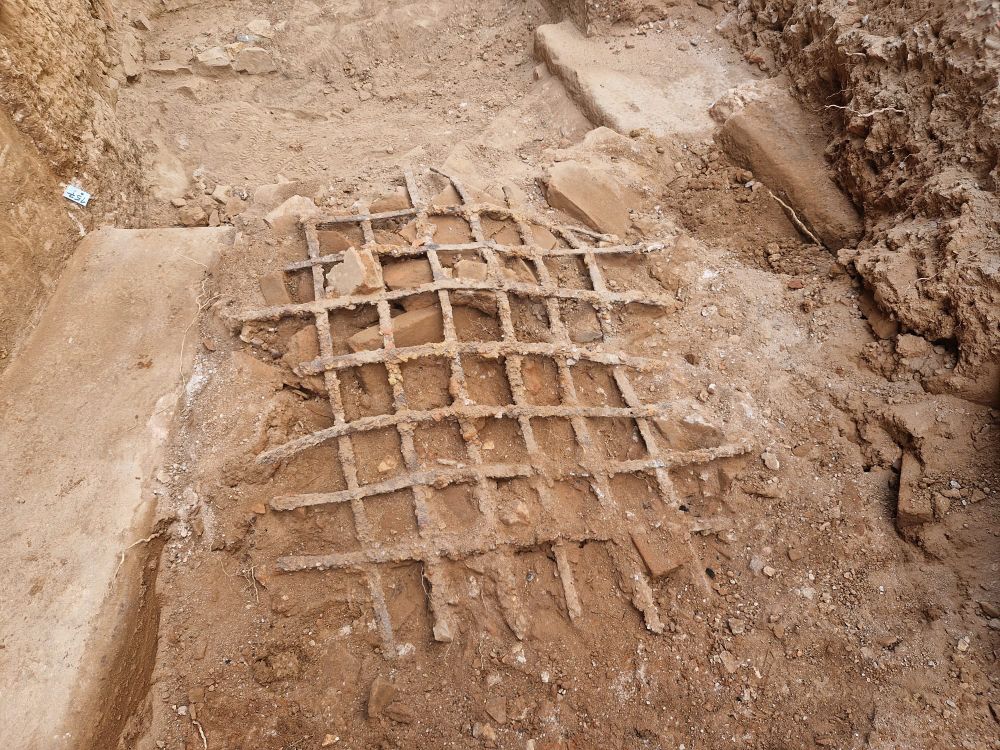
[[86, 408]]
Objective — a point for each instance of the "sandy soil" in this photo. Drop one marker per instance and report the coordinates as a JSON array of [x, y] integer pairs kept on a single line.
[[828, 581]]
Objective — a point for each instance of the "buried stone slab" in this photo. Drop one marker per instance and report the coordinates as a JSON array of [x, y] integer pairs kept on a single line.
[[913, 507], [765, 130]]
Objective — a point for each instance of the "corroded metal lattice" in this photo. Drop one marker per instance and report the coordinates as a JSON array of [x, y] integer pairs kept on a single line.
[[432, 547]]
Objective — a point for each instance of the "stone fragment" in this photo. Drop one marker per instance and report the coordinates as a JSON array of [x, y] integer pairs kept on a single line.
[[214, 59], [261, 27], [400, 712], [496, 707], [729, 662], [690, 433], [294, 210], [141, 21], [131, 56], [303, 347], [357, 273], [594, 197], [484, 732], [412, 328], [883, 326], [193, 216], [518, 514], [271, 195], [770, 460], [395, 201], [254, 61], [380, 695], [657, 555], [913, 507], [221, 193], [272, 286]]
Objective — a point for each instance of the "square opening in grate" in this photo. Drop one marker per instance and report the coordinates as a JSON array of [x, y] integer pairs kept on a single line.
[[617, 439], [392, 517], [558, 444], [486, 381], [440, 444], [365, 391], [519, 509], [378, 454], [425, 382], [639, 493], [595, 385], [339, 239], [575, 507], [475, 317], [454, 507], [501, 441], [582, 323], [541, 381], [569, 272], [317, 530]]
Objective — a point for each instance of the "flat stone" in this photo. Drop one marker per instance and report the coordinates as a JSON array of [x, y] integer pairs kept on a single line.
[[592, 196], [221, 193], [357, 273], [765, 130], [656, 552], [254, 61], [473, 270], [192, 215], [496, 707], [272, 286], [411, 328], [408, 274], [650, 87], [690, 433]]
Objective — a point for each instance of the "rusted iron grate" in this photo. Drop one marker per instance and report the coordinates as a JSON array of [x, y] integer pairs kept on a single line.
[[433, 547]]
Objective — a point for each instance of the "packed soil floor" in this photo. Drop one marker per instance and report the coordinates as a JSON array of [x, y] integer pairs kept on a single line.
[[546, 560]]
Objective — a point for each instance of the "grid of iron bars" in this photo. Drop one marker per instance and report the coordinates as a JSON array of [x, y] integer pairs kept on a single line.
[[433, 546]]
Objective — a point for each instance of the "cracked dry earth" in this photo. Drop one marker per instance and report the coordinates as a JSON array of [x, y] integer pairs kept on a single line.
[[456, 471]]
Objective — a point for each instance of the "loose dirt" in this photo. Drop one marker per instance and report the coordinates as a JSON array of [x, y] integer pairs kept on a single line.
[[542, 404]]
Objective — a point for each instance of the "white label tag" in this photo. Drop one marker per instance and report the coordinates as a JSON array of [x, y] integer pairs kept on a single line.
[[78, 196]]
